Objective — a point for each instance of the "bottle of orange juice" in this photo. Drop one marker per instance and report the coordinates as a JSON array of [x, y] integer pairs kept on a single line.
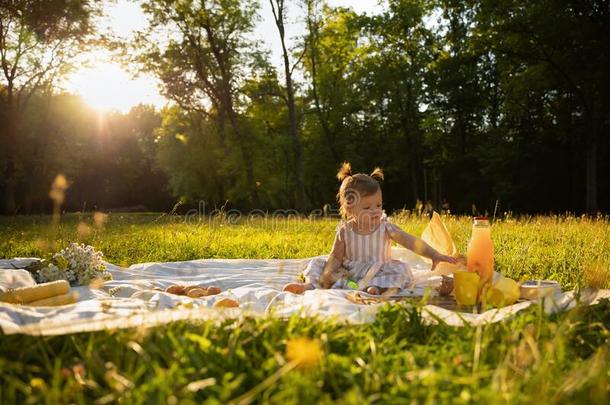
[[480, 253]]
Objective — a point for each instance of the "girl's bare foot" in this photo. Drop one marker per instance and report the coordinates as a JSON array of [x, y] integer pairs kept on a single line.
[[373, 290], [295, 288]]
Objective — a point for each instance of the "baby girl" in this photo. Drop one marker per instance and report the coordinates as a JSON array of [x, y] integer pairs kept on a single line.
[[360, 257]]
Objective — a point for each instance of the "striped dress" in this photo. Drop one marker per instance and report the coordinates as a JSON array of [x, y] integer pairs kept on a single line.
[[367, 259]]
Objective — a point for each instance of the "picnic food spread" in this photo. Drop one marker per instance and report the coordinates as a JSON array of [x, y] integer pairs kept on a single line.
[[473, 279], [193, 291]]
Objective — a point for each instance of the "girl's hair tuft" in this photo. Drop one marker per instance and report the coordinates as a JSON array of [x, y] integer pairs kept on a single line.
[[344, 171], [377, 174]]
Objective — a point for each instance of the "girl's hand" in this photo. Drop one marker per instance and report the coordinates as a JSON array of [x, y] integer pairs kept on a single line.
[[328, 278], [437, 258]]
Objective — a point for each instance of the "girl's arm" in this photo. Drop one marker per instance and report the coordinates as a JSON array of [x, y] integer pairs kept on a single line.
[[418, 246], [335, 259]]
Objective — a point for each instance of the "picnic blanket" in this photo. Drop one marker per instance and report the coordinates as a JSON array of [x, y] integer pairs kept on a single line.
[[130, 301]]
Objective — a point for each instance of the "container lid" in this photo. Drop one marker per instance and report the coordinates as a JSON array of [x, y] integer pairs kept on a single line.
[[481, 221], [540, 284]]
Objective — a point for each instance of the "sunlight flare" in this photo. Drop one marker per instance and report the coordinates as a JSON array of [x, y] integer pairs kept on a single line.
[[106, 86]]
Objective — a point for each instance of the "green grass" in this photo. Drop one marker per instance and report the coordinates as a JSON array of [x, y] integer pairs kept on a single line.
[[398, 359]]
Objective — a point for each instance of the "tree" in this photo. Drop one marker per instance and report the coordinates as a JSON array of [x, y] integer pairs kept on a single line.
[[267, 112], [312, 62], [191, 153], [457, 99], [563, 45], [279, 15], [37, 40], [202, 63], [398, 52], [335, 100]]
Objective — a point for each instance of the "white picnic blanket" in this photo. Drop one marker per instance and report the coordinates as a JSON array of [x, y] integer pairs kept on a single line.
[[130, 301]]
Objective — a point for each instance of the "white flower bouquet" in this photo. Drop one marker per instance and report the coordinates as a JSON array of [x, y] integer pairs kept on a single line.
[[78, 264]]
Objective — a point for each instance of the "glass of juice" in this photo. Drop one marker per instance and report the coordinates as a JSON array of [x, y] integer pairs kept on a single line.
[[466, 287]]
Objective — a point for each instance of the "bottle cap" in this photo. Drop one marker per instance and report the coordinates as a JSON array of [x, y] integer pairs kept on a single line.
[[481, 221]]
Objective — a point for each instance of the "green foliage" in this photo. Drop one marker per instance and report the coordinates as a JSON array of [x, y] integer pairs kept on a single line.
[[109, 161], [464, 104], [38, 40]]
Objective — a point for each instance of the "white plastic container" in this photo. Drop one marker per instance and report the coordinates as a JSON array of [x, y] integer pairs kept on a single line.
[[536, 289]]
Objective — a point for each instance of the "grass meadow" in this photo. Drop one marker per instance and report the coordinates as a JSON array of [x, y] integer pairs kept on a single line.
[[532, 357]]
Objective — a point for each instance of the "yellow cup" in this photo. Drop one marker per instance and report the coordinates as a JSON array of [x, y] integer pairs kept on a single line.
[[505, 291], [466, 286]]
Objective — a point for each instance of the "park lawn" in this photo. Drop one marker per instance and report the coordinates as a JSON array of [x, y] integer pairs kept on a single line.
[[532, 357]]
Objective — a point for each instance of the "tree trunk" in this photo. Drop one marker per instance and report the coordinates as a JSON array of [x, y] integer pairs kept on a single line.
[[314, 86], [412, 158], [425, 184], [591, 162], [246, 152], [292, 116], [8, 201], [409, 132], [323, 121], [592, 178]]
